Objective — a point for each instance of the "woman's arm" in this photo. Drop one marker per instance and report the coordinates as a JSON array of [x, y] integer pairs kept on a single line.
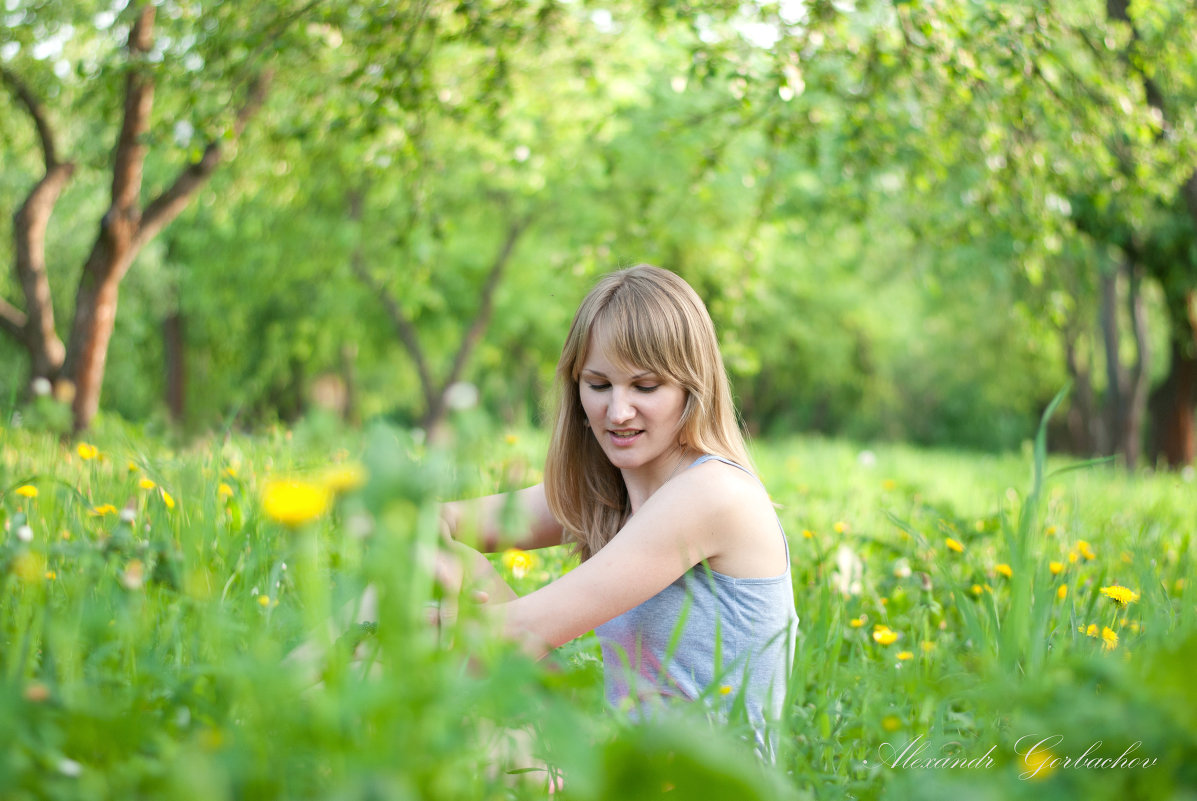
[[478, 522], [679, 526]]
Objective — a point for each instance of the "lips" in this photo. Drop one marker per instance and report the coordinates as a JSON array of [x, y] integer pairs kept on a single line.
[[625, 436]]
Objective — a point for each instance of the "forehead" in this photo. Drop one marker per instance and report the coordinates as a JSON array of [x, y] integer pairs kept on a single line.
[[605, 355]]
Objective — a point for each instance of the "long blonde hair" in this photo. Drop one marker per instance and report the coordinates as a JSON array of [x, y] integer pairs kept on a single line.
[[653, 320]]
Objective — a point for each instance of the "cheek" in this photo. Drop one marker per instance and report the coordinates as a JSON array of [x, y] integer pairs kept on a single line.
[[676, 407], [590, 405]]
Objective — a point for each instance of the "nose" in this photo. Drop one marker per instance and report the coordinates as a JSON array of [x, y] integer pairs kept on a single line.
[[620, 409]]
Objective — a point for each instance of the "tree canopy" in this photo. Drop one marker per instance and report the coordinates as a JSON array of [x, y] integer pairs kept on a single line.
[[909, 220]]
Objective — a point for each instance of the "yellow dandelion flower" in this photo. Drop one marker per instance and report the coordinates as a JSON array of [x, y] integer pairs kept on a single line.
[[26, 491], [1120, 595], [168, 499], [264, 600], [807, 533], [1072, 557], [904, 655], [891, 723], [511, 439], [1062, 593], [954, 545], [927, 646], [1090, 631], [86, 451], [224, 491], [51, 575], [518, 562], [1086, 551], [131, 466], [344, 478], [230, 471], [889, 485], [146, 484], [840, 527], [976, 589], [1040, 764], [884, 635], [1056, 568], [295, 502], [66, 535], [857, 622], [1109, 638], [725, 689], [103, 509], [1051, 530], [1005, 570]]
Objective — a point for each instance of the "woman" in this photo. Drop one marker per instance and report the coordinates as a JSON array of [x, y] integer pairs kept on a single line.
[[648, 478]]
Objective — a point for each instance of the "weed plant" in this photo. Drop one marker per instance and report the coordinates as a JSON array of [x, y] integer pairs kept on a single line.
[[964, 629]]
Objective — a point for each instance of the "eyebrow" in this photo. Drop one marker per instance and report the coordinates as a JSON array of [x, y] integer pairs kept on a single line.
[[597, 374]]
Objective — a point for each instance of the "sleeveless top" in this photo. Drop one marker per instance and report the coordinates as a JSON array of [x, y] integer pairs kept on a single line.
[[707, 636]]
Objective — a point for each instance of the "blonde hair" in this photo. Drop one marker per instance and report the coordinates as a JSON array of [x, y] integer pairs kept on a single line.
[[650, 319]]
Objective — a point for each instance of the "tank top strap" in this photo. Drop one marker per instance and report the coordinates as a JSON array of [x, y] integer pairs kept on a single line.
[[709, 457]]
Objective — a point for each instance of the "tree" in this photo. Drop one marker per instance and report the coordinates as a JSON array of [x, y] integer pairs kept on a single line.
[[132, 76]]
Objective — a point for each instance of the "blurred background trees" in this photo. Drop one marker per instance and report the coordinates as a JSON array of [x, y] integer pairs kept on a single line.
[[910, 221]]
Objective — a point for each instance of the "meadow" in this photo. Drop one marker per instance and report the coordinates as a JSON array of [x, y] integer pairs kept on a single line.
[[972, 626]]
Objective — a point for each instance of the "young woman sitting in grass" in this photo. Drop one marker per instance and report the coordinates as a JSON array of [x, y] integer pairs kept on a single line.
[[685, 569]]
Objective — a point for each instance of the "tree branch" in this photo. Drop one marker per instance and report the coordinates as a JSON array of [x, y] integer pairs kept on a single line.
[[406, 331], [31, 104], [35, 327], [168, 205], [486, 307], [139, 100], [12, 321]]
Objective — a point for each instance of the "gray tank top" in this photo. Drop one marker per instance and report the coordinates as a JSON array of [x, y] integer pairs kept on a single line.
[[709, 637]]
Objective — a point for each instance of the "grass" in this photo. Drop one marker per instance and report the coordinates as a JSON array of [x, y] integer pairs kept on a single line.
[[142, 653]]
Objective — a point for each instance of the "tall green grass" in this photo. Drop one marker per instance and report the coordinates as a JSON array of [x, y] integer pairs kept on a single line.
[[146, 657]]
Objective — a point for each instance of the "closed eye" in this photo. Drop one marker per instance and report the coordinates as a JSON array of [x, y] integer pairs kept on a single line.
[[598, 387], [653, 388]]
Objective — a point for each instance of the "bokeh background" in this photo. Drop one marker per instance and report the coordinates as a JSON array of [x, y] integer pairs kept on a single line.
[[911, 221]]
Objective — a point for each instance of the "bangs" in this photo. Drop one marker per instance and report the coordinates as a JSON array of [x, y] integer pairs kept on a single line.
[[640, 333]]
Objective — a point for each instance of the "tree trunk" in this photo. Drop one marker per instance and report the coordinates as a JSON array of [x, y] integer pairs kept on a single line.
[[78, 369], [95, 316], [34, 328], [1130, 431], [436, 393], [1172, 408], [46, 350], [1114, 372], [1083, 420]]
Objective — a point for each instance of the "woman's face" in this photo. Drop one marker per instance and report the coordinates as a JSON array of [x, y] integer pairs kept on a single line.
[[634, 414]]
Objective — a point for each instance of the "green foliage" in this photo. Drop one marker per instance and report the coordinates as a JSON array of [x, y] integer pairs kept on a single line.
[[897, 212], [147, 655]]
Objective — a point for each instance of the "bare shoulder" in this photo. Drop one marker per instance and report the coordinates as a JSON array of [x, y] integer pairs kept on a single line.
[[716, 485], [736, 517]]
